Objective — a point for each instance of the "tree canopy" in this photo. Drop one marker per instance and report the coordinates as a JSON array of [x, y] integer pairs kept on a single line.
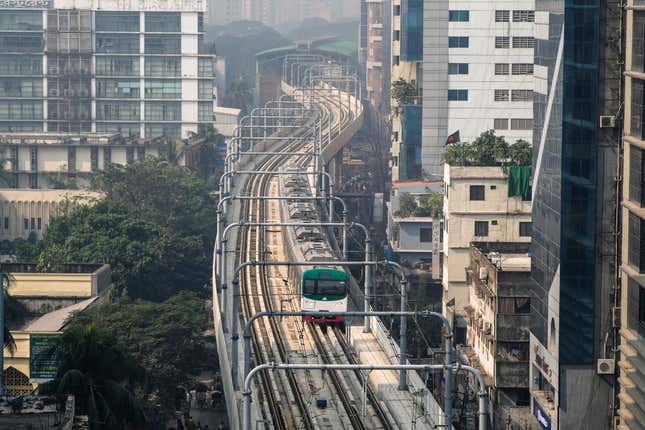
[[403, 92], [155, 227], [430, 205], [488, 150], [166, 339]]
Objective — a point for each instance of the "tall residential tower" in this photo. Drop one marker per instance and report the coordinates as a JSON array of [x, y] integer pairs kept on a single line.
[[134, 67]]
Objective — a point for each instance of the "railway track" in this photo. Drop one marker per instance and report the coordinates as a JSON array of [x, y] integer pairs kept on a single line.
[[282, 395]]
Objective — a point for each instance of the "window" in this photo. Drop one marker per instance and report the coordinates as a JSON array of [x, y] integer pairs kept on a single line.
[[502, 16], [162, 129], [523, 16], [71, 159], [395, 60], [205, 112], [425, 235], [477, 192], [501, 95], [525, 229], [21, 109], [396, 35], [523, 42], [163, 22], [33, 158], [502, 42], [162, 44], [21, 42], [107, 156], [521, 95], [501, 68], [117, 21], [500, 124], [163, 111], [395, 136], [21, 65], [522, 124], [117, 43], [94, 158], [458, 16], [205, 68], [163, 66], [638, 41], [205, 89], [6, 222], [117, 110], [117, 66], [397, 10], [21, 20], [458, 42], [129, 155], [637, 127], [40, 223], [636, 175], [458, 95], [33, 223], [522, 69], [636, 243], [163, 89], [457, 68], [514, 305], [481, 228], [26, 223], [117, 88]]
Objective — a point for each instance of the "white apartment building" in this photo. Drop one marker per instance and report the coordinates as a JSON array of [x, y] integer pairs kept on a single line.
[[477, 73], [476, 209], [138, 68]]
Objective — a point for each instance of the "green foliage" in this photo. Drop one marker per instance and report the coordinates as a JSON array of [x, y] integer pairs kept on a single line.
[[165, 338], [488, 150], [431, 205], [407, 205], [521, 153], [403, 92], [60, 181], [102, 377], [154, 227], [28, 250], [239, 94]]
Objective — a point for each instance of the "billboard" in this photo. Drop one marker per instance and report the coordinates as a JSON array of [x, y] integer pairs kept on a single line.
[[42, 364]]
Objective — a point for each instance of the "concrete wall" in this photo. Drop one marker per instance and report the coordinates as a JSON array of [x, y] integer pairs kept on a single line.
[[59, 285]]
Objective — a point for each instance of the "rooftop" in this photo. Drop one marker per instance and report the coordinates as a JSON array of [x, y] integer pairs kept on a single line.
[[33, 268], [56, 320]]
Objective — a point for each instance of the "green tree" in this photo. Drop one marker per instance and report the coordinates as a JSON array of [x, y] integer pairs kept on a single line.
[[521, 153], [431, 205], [457, 154], [167, 339], [488, 149], [154, 227], [239, 94], [407, 205], [102, 377], [403, 92]]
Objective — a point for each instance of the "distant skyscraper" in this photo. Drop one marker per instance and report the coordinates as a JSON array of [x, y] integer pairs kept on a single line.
[[632, 370], [574, 270], [138, 68]]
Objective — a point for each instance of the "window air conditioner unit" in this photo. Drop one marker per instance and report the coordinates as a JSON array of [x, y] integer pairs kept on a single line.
[[606, 366], [607, 121]]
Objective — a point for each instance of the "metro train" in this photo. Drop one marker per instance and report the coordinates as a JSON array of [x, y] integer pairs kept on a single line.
[[322, 288]]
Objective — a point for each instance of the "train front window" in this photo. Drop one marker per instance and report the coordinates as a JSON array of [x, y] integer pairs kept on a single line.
[[309, 286], [331, 288]]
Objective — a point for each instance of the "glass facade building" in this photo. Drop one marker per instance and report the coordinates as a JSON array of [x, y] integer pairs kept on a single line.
[[573, 200], [68, 70]]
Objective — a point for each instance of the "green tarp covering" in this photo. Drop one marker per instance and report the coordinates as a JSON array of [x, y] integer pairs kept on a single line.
[[519, 181]]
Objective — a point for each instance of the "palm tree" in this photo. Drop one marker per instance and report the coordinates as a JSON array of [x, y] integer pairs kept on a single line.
[[13, 311], [239, 94], [101, 376]]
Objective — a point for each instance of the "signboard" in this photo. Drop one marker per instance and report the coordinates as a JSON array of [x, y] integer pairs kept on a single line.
[[42, 365], [542, 417], [544, 361], [25, 4]]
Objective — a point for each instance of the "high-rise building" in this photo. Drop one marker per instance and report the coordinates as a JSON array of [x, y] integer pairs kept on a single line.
[[406, 63], [138, 68], [477, 60], [575, 199], [632, 331]]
